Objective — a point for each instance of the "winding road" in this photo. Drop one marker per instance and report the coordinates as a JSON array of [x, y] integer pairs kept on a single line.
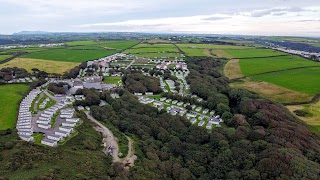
[[110, 140]]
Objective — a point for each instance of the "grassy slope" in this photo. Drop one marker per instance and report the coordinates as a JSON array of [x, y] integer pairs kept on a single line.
[[10, 96], [44, 65], [261, 65], [301, 80], [3, 57]]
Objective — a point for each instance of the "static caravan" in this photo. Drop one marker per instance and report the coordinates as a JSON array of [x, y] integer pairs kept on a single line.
[[49, 142], [55, 137], [69, 124]]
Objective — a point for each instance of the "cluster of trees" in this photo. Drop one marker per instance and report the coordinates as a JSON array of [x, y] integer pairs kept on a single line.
[[92, 97], [262, 139], [136, 82], [58, 88], [9, 73], [73, 73], [297, 46]]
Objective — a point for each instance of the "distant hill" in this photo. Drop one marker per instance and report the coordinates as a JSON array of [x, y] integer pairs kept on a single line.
[[30, 33]]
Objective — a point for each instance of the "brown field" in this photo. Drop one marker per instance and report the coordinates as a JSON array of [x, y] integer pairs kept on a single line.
[[232, 69], [274, 92], [221, 53], [44, 65], [208, 53]]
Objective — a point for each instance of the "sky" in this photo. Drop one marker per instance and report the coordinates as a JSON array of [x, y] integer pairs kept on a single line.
[[235, 17]]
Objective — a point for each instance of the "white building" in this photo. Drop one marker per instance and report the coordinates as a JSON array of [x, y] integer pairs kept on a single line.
[[49, 142]]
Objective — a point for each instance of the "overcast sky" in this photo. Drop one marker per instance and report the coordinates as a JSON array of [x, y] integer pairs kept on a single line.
[[251, 17]]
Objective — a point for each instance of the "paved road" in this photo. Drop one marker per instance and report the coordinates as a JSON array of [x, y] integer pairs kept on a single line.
[[130, 64]]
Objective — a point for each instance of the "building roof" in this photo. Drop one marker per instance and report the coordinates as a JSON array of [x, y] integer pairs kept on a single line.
[[92, 85]]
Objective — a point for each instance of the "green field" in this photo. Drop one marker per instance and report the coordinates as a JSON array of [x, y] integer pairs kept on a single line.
[[261, 65], [211, 46], [10, 96], [119, 45], [250, 53], [3, 57], [154, 46], [69, 55], [302, 80], [152, 50], [195, 51], [112, 79]]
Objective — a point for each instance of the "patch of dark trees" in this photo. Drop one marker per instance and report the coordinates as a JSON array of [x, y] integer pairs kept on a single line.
[[9, 73], [15, 55], [58, 88], [136, 82], [74, 72]]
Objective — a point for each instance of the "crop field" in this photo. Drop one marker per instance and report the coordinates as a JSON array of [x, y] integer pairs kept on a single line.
[[301, 80], [44, 65], [261, 65], [3, 57], [10, 96], [69, 55], [251, 53]]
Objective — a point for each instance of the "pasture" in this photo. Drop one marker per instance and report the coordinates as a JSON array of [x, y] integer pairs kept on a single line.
[[211, 46], [304, 80], [152, 50], [44, 65], [252, 53], [10, 96], [3, 57], [262, 65], [119, 45], [69, 55]]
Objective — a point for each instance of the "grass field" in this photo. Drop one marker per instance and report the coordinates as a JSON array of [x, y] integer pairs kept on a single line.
[[69, 55], [211, 46], [154, 46], [112, 79], [3, 57], [261, 65], [10, 96], [250, 53], [119, 45], [44, 65], [301, 80], [152, 50]]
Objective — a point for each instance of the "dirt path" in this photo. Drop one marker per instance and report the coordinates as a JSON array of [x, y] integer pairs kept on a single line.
[[232, 69], [110, 141]]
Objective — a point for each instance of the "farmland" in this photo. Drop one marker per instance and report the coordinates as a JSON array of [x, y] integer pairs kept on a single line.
[[44, 65], [302, 80], [252, 53], [10, 96], [69, 55], [3, 57], [262, 65], [118, 45]]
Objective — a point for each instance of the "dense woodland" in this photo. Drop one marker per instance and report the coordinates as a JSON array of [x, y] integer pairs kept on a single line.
[[136, 82], [58, 88]]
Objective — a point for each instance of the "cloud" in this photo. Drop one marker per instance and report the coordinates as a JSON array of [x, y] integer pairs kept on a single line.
[[216, 18], [275, 11]]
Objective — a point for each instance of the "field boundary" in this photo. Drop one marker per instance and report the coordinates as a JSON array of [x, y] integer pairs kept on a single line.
[[314, 100]]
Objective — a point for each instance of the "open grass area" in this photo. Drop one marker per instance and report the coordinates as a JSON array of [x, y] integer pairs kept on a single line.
[[112, 79], [302, 80], [272, 91], [211, 46], [49, 104], [152, 50], [119, 45], [195, 52], [70, 55], [154, 46], [10, 96], [3, 57], [261, 65], [232, 69], [250, 53], [44, 65]]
